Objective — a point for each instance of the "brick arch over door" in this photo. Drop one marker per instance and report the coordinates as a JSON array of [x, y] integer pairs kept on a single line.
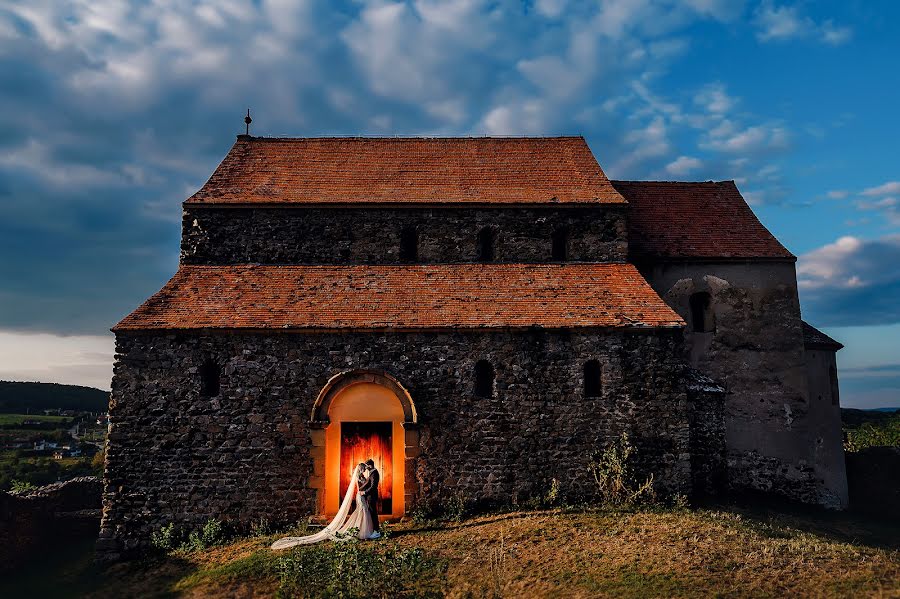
[[319, 422]]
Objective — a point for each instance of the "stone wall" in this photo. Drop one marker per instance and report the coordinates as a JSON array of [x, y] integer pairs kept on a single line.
[[709, 462], [174, 455], [825, 427], [372, 235], [44, 518], [756, 352]]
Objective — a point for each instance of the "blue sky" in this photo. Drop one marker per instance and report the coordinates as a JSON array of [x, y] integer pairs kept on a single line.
[[112, 113]]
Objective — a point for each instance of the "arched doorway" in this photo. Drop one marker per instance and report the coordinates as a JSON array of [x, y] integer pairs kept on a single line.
[[363, 414]]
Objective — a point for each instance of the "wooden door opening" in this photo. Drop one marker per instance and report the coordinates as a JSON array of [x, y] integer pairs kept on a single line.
[[361, 441]]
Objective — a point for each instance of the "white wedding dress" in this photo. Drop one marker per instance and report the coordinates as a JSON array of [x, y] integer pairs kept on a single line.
[[342, 522]]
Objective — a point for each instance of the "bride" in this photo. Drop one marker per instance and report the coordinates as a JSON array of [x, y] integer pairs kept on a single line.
[[343, 521]]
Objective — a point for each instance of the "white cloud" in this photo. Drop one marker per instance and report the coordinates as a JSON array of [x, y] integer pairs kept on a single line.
[[837, 194], [834, 35], [827, 266], [757, 138], [782, 23], [715, 99], [891, 187], [683, 165], [852, 281], [77, 360]]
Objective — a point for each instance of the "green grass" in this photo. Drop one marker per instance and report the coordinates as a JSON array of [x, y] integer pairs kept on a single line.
[[724, 551]]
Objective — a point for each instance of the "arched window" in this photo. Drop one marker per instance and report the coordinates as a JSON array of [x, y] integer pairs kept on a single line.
[[833, 381], [409, 244], [559, 245], [486, 239], [702, 317], [209, 379], [484, 379], [593, 386]]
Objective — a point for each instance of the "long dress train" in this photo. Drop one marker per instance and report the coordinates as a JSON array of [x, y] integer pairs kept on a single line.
[[342, 521]]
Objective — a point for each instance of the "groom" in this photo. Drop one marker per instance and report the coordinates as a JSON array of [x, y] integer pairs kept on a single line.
[[369, 490]]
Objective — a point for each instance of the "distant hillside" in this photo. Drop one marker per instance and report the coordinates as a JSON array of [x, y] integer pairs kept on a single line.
[[853, 417], [19, 398]]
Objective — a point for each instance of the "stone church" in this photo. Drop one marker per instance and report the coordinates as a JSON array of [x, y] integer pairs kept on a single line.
[[478, 315]]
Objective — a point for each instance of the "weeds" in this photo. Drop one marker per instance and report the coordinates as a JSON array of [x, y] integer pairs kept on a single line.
[[21, 486], [170, 538], [616, 485], [350, 570]]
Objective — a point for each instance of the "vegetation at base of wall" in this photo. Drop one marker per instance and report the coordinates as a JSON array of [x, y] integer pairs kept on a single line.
[[171, 538], [612, 469], [880, 431], [352, 569], [454, 508]]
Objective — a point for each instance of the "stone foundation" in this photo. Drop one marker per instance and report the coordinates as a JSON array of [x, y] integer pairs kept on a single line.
[[176, 456]]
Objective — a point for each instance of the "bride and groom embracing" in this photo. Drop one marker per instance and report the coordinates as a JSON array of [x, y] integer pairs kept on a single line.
[[364, 488]]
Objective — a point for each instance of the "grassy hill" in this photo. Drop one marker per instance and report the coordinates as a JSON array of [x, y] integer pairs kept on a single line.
[[723, 551], [21, 398]]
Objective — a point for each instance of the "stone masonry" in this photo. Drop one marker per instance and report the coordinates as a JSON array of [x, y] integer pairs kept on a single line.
[[175, 456]]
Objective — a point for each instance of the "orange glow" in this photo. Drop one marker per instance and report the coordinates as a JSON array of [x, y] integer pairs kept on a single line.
[[361, 441], [362, 406]]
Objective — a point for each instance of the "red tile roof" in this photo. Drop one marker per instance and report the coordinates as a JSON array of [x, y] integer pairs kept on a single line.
[[694, 220], [446, 296], [408, 170]]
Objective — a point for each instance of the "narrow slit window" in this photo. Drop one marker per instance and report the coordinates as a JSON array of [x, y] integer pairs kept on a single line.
[[484, 379], [409, 245], [593, 385], [702, 317], [209, 379], [486, 239], [559, 245], [835, 390]]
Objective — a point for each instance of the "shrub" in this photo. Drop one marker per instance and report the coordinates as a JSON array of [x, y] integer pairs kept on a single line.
[[350, 570], [259, 528], [612, 471], [165, 539], [454, 507], [21, 486], [209, 535], [874, 434]]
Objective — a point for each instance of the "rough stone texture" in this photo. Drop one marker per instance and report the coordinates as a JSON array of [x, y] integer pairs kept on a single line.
[[46, 517], [707, 435], [756, 352], [824, 416], [174, 455], [372, 235]]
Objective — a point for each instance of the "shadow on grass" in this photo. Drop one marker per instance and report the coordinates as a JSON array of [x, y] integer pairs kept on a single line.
[[774, 518], [67, 569]]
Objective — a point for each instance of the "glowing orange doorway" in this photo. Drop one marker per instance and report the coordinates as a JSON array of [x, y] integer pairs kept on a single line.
[[354, 406], [361, 441]]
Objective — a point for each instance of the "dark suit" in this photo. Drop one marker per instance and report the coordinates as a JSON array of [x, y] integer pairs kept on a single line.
[[369, 490]]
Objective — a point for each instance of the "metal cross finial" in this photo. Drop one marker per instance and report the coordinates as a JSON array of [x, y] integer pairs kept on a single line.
[[248, 120]]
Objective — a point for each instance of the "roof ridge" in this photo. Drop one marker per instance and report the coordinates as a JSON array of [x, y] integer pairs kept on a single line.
[[672, 182], [404, 137]]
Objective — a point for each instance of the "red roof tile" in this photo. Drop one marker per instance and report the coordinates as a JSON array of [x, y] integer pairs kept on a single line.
[[694, 220], [448, 296], [408, 170]]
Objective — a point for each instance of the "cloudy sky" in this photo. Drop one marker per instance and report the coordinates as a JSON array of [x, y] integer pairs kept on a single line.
[[113, 112]]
